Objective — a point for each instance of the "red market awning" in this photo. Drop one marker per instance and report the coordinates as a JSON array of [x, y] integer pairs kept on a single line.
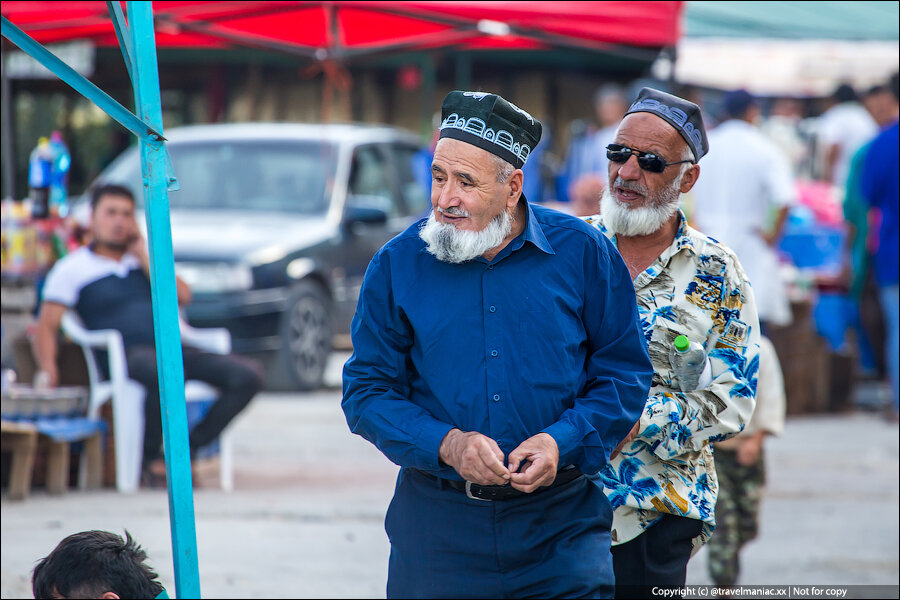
[[343, 30]]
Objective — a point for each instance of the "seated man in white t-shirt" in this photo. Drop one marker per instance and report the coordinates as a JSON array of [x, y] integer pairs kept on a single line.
[[108, 285]]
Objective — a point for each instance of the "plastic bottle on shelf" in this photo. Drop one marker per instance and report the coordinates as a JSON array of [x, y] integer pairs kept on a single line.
[[40, 166], [59, 175], [690, 364]]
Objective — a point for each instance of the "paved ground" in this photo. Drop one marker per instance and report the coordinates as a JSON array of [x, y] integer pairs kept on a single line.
[[305, 520]]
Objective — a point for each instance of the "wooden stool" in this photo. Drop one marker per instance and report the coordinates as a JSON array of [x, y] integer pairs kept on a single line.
[[58, 463], [59, 433], [21, 439], [56, 415]]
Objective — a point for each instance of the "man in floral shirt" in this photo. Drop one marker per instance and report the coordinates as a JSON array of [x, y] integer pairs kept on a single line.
[[662, 481]]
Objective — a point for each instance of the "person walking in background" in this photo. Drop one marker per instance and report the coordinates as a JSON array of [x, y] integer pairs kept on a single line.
[[743, 200], [662, 481], [586, 164], [783, 125], [842, 130], [741, 471], [497, 358], [880, 187], [865, 313]]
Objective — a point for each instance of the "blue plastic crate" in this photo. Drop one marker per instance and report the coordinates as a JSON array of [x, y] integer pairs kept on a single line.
[[817, 247]]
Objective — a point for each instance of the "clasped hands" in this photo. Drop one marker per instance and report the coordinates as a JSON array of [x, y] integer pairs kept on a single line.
[[478, 458]]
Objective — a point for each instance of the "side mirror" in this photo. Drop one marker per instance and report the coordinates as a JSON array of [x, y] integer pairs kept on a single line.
[[372, 210]]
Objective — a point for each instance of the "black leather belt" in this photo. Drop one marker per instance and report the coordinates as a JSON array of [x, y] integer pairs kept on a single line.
[[506, 491]]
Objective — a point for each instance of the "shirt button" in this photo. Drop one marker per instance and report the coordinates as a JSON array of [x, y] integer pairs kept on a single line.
[[493, 309], [496, 397], [494, 353], [490, 267]]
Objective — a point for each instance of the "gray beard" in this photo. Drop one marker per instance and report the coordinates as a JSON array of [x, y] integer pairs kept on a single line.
[[643, 220], [449, 244]]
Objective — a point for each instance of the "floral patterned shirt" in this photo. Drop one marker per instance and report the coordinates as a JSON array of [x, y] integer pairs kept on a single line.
[[696, 288]]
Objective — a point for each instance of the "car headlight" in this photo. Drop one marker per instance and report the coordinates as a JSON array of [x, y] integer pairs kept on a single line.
[[215, 277]]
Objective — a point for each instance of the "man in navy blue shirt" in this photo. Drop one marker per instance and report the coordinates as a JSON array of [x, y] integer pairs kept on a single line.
[[497, 358]]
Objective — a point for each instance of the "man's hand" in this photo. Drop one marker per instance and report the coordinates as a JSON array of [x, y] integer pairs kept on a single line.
[[476, 457], [748, 452], [138, 247], [539, 455], [46, 378], [628, 438]]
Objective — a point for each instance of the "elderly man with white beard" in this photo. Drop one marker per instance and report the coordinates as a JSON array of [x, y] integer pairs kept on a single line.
[[497, 357], [661, 480]]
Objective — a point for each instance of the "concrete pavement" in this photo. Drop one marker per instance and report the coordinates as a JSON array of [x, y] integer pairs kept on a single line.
[[306, 517]]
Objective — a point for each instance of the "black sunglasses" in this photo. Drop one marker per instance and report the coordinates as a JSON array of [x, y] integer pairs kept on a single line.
[[646, 160]]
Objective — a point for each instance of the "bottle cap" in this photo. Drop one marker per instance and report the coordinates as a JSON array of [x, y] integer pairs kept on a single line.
[[682, 343]]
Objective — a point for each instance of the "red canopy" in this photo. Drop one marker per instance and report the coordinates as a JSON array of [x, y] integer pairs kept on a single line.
[[342, 30]]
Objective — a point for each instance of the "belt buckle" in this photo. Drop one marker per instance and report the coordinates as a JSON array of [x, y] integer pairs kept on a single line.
[[469, 493]]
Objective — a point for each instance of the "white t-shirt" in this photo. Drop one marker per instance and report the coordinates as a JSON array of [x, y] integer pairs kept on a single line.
[[744, 179], [106, 294], [850, 126]]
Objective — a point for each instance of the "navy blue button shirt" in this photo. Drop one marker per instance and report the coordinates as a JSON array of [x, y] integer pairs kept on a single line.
[[543, 338]]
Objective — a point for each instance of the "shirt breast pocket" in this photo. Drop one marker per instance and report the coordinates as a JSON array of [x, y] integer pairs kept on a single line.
[[547, 350]]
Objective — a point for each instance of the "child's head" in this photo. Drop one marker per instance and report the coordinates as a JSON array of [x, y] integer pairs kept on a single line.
[[95, 564]]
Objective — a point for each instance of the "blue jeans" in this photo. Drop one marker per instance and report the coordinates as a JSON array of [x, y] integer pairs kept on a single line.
[[890, 296]]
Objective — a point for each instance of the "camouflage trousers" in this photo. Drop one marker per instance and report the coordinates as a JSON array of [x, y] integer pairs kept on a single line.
[[737, 509]]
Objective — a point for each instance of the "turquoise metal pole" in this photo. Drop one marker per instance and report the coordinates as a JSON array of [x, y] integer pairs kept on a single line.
[[165, 304], [78, 82], [118, 17], [140, 54]]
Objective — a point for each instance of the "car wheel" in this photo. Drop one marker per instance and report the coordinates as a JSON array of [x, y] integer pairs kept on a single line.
[[306, 336]]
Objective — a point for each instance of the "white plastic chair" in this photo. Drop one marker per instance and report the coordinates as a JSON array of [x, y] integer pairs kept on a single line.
[[128, 396]]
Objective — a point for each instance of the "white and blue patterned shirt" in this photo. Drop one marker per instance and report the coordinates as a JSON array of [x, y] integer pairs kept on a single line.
[[695, 288]]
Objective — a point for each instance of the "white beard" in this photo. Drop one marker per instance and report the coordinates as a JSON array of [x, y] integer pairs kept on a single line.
[[449, 244], [643, 220]]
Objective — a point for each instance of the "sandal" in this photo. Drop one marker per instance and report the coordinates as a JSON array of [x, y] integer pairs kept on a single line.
[[154, 475]]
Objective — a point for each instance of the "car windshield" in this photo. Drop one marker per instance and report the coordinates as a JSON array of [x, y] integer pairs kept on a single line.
[[254, 175]]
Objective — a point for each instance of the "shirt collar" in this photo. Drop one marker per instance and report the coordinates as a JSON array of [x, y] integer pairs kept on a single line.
[[127, 259], [683, 239], [534, 233]]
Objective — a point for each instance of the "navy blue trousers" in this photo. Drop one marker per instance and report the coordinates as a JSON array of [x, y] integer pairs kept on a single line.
[[555, 544]]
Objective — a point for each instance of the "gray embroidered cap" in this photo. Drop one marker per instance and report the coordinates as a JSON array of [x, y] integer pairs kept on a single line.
[[491, 123], [681, 114]]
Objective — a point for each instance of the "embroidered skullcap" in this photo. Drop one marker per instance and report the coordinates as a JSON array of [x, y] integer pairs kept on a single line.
[[491, 123], [681, 114]]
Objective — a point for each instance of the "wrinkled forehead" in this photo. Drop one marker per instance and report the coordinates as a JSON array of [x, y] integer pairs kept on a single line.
[[450, 150]]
